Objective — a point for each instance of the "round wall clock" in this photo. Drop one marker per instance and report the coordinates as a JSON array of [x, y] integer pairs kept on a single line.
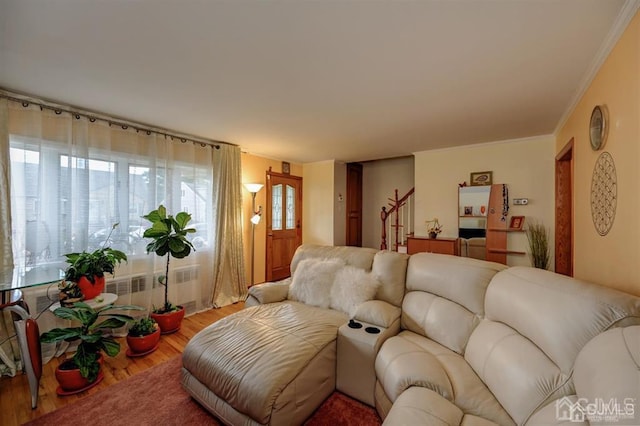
[[598, 127]]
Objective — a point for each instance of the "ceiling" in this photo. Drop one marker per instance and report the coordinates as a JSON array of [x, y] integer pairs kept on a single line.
[[315, 80]]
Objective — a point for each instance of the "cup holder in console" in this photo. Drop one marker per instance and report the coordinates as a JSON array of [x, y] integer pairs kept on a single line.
[[372, 330], [354, 324]]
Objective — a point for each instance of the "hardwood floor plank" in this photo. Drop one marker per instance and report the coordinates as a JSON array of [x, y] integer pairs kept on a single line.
[[15, 399]]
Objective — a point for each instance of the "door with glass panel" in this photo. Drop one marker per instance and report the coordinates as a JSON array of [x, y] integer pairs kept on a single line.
[[284, 223]]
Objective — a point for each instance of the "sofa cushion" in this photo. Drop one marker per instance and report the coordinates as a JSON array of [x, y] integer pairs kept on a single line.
[[469, 392], [391, 269], [355, 256], [352, 287], [313, 280], [559, 314], [445, 297]]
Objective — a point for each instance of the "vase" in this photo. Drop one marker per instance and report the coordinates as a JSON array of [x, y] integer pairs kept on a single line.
[[91, 290], [143, 344], [169, 322], [433, 235]]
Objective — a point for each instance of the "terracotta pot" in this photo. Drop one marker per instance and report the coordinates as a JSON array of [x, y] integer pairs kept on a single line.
[[170, 322], [91, 290], [142, 344], [71, 380]]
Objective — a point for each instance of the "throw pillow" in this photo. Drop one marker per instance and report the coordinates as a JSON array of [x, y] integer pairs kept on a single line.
[[351, 287], [312, 281]]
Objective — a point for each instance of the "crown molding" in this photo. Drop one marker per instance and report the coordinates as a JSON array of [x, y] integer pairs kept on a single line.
[[625, 16]]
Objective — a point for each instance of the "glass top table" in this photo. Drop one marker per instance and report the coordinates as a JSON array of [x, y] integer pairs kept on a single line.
[[20, 278]]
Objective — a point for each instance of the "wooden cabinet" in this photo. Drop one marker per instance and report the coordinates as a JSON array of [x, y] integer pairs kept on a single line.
[[428, 245]]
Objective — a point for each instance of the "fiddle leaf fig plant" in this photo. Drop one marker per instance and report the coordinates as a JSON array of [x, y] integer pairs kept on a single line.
[[169, 238]]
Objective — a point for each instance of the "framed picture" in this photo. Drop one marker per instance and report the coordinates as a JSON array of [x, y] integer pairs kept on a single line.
[[516, 222], [481, 178], [468, 210], [286, 168]]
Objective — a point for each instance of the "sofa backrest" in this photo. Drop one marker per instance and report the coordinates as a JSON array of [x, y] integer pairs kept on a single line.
[[389, 267], [536, 322], [444, 300]]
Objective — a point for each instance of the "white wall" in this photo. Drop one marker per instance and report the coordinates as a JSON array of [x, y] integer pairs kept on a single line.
[[379, 181], [526, 166]]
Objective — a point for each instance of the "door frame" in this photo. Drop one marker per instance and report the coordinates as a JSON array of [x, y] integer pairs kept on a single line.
[[564, 226]]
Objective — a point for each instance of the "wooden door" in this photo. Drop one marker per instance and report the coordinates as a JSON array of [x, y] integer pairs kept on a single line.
[[284, 223], [564, 211], [354, 205]]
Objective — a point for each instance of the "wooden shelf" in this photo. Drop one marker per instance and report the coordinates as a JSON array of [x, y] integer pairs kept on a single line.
[[473, 216], [503, 251]]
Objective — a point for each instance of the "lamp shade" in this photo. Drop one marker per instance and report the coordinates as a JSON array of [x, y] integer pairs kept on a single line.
[[253, 187], [256, 219]]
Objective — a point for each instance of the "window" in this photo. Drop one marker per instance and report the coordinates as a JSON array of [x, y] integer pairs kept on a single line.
[[64, 203]]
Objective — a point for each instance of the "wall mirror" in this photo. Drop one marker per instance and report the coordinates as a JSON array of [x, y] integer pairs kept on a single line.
[[473, 206]]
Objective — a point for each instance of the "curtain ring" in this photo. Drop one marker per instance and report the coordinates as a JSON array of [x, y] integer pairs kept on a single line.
[[202, 144], [77, 116], [25, 104], [183, 140], [125, 127], [57, 111], [148, 132], [93, 120]]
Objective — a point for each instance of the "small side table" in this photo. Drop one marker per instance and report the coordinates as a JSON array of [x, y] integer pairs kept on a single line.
[[357, 350]]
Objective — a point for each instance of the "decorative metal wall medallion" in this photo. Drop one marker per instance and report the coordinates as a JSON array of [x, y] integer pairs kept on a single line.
[[604, 193]]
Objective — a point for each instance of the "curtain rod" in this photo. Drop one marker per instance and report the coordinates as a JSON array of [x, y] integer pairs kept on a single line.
[[93, 117]]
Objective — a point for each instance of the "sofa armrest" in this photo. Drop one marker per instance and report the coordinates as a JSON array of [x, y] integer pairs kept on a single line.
[[269, 292], [377, 312]]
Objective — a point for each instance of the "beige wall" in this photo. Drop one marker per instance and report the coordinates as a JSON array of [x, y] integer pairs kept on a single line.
[[613, 259], [318, 188], [379, 181], [254, 170], [526, 165], [339, 204]]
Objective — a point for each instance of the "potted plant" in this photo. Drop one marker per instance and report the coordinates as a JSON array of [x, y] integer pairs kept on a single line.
[[87, 269], [538, 245], [69, 293], [143, 337], [169, 235], [82, 371], [433, 228]]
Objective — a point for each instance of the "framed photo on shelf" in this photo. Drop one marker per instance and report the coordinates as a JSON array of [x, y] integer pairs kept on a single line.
[[286, 168], [481, 178], [468, 210], [516, 223]]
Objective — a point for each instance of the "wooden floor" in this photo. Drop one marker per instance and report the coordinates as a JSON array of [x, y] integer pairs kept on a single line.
[[15, 399]]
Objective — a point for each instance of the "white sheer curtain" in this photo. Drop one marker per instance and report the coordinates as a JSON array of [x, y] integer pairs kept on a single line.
[[70, 178]]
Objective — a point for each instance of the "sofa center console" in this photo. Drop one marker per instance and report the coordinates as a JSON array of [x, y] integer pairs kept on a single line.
[[357, 349]]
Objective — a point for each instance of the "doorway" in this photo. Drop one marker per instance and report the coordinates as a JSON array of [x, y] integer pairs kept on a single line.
[[354, 205], [564, 211], [284, 223]]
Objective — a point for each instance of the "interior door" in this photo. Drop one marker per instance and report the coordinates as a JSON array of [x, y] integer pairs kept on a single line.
[[354, 204], [284, 223], [564, 211]]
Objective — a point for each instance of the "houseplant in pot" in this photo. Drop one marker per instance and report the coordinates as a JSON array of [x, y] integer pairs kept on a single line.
[[143, 337], [82, 371], [87, 269], [169, 238]]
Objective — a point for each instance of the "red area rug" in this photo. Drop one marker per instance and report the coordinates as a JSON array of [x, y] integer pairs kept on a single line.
[[156, 397]]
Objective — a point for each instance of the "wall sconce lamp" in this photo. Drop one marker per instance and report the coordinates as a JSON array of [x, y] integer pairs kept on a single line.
[[256, 215]]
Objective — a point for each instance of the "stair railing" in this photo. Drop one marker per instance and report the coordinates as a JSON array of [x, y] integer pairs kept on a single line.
[[396, 229]]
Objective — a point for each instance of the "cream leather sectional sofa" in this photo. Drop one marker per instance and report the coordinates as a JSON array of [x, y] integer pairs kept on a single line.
[[459, 342]]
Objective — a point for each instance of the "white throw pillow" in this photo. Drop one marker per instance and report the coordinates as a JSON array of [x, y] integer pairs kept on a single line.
[[351, 287], [312, 281]]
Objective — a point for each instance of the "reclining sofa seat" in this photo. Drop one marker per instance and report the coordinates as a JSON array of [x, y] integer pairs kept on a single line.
[[517, 361], [275, 361]]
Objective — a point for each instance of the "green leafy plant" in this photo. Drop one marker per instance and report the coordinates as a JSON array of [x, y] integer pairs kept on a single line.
[[90, 333], [143, 327], [96, 263], [537, 235], [169, 235]]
